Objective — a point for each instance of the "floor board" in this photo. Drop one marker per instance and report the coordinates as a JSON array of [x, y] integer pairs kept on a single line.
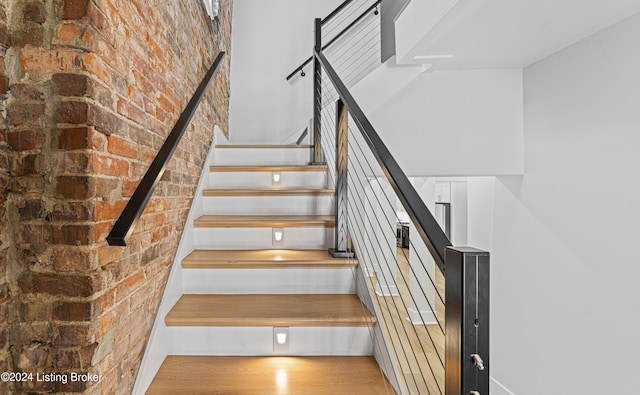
[[265, 259], [270, 310], [263, 221], [199, 375]]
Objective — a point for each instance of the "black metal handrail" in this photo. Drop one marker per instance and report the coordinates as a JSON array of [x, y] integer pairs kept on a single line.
[[342, 32], [126, 223], [335, 12], [426, 225], [467, 293]]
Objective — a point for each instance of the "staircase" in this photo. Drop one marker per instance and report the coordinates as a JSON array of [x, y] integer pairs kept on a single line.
[[264, 308]]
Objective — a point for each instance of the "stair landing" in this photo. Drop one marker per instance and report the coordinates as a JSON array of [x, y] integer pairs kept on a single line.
[[270, 375]]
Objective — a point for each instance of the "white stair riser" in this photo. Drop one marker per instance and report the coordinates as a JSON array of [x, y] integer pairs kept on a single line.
[[259, 341], [270, 281], [264, 179], [261, 238], [262, 156], [273, 205]]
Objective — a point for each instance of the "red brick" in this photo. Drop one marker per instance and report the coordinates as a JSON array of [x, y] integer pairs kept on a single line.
[[102, 230], [73, 186], [97, 67], [74, 9], [73, 211], [128, 187], [29, 34], [21, 114], [71, 259], [5, 38], [106, 210], [72, 311], [81, 138], [25, 140], [72, 335], [105, 302], [60, 60], [106, 322], [4, 81], [121, 147], [68, 84], [27, 165], [73, 35], [73, 234], [104, 120], [105, 187], [32, 209], [55, 284], [73, 358], [132, 112], [34, 233], [106, 255], [110, 166], [73, 138], [73, 112]]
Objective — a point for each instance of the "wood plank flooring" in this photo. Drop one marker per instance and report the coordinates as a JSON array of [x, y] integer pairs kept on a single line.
[[269, 192], [261, 146], [255, 259], [270, 375], [264, 221], [252, 168], [270, 310]]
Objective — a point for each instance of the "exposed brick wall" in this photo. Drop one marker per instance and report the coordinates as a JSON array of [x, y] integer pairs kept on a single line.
[[89, 91], [5, 293]]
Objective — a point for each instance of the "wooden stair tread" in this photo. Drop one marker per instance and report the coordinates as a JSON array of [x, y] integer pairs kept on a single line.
[[258, 168], [263, 221], [269, 310], [262, 146], [268, 191], [341, 375], [206, 259]]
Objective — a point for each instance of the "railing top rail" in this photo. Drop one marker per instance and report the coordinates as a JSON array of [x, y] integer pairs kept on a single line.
[[335, 12], [125, 224], [337, 36], [426, 225]]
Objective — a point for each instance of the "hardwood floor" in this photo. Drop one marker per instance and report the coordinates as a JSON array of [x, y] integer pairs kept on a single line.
[[418, 349], [249, 168], [263, 146], [270, 310], [200, 375], [268, 192], [263, 221], [255, 259]]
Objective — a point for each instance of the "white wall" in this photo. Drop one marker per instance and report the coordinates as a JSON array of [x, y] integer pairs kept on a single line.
[[270, 40], [418, 19], [449, 123], [565, 295]]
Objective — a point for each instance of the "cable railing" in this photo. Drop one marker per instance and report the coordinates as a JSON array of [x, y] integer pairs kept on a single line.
[[125, 224], [431, 299], [349, 19]]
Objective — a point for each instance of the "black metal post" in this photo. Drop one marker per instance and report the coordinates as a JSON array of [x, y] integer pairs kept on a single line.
[[466, 321], [317, 98], [341, 249]]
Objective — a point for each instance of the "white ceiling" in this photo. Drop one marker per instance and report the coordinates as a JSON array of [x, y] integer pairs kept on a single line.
[[514, 33]]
